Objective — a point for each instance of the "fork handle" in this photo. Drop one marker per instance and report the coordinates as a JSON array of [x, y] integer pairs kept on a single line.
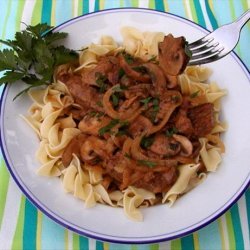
[[242, 20]]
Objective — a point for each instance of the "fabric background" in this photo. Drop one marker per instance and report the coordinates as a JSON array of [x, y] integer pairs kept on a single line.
[[22, 226]]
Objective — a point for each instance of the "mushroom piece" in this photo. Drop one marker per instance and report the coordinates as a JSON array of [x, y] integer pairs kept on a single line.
[[157, 76], [186, 145], [172, 55], [163, 145], [93, 149], [172, 81]]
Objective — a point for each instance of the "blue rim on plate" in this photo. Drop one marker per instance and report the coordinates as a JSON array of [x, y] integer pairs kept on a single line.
[[104, 237]]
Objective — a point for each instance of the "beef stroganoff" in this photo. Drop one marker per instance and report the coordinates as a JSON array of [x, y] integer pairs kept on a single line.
[[129, 125]]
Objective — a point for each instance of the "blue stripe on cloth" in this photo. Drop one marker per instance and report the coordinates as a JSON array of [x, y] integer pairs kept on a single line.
[[85, 7], [176, 7], [99, 245], [52, 234], [187, 242], [211, 16], [83, 242], [247, 195], [111, 4], [97, 5], [199, 13], [46, 11], [224, 16], [29, 228], [206, 242], [159, 5], [127, 3], [237, 227], [11, 27], [245, 32], [63, 11]]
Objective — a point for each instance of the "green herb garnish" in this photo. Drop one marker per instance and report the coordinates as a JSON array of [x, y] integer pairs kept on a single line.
[[175, 98], [128, 58], [108, 127], [121, 73], [149, 164], [99, 103], [174, 146], [146, 142], [156, 104], [171, 131], [123, 129], [146, 101], [115, 100], [195, 94], [101, 81], [155, 110], [127, 155], [153, 59], [33, 56], [96, 114], [140, 69], [119, 88]]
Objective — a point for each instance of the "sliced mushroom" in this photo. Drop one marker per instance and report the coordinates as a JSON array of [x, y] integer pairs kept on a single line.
[[186, 145], [94, 148], [172, 56], [163, 145]]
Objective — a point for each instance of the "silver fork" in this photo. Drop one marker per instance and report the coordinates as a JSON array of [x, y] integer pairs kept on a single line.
[[218, 43]]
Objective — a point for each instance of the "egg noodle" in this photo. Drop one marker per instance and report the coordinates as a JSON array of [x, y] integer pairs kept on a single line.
[[56, 127]]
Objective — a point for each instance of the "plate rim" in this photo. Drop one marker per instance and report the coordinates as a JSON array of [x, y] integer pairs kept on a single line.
[[119, 239]]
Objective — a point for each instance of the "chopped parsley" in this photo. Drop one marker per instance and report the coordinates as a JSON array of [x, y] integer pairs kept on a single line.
[[101, 81], [112, 124], [123, 129], [128, 58], [146, 142], [195, 94], [99, 103], [96, 114], [149, 164], [155, 109], [121, 73], [171, 131], [127, 155], [107, 128], [153, 59], [140, 69], [146, 101], [175, 98], [115, 99]]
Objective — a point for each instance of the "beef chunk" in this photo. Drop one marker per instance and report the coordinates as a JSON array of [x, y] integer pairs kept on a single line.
[[202, 118]]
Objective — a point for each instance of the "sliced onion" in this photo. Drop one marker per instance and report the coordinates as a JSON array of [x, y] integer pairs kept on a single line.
[[128, 115]]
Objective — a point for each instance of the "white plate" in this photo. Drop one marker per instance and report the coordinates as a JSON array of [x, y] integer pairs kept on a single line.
[[195, 209]]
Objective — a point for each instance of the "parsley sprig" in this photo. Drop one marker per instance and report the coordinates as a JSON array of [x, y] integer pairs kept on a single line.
[[33, 56]]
